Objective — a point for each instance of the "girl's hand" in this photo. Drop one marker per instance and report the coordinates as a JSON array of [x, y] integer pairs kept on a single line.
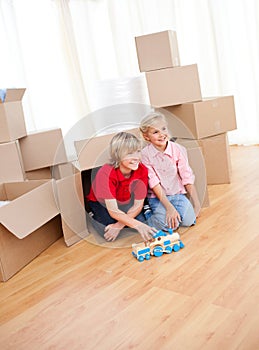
[[173, 218], [145, 231], [112, 231]]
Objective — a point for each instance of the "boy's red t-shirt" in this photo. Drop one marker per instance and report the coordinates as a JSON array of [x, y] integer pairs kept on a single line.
[[110, 183]]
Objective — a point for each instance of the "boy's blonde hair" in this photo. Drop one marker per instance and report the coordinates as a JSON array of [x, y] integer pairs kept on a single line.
[[150, 120], [122, 144]]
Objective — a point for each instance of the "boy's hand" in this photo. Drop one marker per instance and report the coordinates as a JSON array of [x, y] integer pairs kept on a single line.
[[145, 231], [112, 231]]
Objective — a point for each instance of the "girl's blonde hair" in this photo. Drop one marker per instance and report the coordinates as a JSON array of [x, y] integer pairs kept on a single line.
[[150, 120], [122, 144]]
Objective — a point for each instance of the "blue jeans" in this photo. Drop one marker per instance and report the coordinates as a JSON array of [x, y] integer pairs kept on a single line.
[[100, 216], [181, 204]]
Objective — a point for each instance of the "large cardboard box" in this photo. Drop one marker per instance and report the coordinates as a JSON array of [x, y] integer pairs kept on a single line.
[[157, 50], [11, 116], [173, 86], [11, 165], [29, 223], [196, 120], [216, 153], [71, 190], [41, 149]]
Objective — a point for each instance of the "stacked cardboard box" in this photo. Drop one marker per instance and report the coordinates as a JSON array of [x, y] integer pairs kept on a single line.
[[175, 91], [29, 216]]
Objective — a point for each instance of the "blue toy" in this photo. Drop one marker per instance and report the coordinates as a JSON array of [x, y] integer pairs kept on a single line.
[[161, 243]]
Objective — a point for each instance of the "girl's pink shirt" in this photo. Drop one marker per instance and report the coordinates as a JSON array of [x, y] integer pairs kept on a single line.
[[169, 168]]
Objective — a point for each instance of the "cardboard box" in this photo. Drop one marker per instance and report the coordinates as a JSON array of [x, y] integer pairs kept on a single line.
[[216, 153], [173, 86], [39, 174], [94, 152], [71, 190], [157, 51], [71, 204], [29, 223], [11, 116], [60, 171], [197, 163], [196, 120], [11, 165], [41, 149]]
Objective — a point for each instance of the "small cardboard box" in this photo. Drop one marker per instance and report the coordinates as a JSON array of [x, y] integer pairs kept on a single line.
[[216, 153], [157, 51], [29, 223], [11, 164], [11, 116], [196, 120], [173, 86], [41, 149]]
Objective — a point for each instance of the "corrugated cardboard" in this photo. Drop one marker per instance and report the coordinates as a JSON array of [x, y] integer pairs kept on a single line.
[[39, 174], [157, 50], [11, 116], [94, 152], [72, 208], [29, 223], [60, 171], [11, 165], [211, 116], [216, 155], [173, 86], [197, 163], [41, 149]]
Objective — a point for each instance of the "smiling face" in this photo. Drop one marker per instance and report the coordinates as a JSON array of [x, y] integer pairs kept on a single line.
[[130, 162], [158, 135]]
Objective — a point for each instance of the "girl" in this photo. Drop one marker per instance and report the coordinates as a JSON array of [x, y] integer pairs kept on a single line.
[[118, 191], [170, 176]]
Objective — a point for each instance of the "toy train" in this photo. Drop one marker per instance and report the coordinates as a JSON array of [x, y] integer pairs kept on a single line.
[[160, 243]]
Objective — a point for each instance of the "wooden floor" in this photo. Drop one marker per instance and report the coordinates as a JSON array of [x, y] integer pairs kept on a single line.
[[204, 297]]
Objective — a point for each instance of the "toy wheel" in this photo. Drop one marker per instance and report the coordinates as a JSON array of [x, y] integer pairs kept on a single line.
[[147, 256], [168, 250], [181, 244], [176, 248], [158, 251], [140, 258]]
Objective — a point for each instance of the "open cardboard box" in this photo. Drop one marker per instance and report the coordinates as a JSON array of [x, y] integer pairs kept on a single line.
[[29, 223], [71, 190], [11, 116]]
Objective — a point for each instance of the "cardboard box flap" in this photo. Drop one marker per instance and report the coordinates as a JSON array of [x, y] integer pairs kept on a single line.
[[16, 189], [94, 152], [14, 95], [35, 208], [71, 205], [3, 196]]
